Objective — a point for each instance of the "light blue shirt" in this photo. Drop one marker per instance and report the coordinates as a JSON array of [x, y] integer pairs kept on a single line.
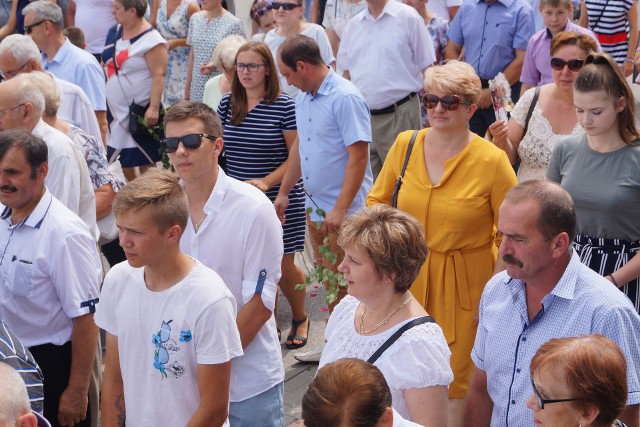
[[582, 303], [490, 33], [79, 67], [328, 122]]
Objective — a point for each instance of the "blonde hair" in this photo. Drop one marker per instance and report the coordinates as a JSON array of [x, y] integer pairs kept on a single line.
[[224, 55], [48, 88], [160, 190], [454, 77]]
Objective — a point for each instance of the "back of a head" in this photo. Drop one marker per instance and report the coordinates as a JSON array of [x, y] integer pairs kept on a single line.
[[75, 36], [594, 368], [26, 92], [21, 47], [49, 90], [346, 393], [14, 399], [299, 48]]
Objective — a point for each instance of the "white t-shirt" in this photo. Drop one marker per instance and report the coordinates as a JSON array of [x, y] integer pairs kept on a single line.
[[440, 7], [163, 336], [418, 359], [94, 18], [240, 236], [314, 31]]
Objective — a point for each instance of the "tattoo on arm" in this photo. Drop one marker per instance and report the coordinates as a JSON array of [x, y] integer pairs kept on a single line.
[[121, 411]]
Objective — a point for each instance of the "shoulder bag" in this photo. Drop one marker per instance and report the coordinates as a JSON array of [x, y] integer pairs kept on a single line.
[[393, 338], [396, 189]]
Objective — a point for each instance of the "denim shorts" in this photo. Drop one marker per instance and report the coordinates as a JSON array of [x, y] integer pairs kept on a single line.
[[265, 409]]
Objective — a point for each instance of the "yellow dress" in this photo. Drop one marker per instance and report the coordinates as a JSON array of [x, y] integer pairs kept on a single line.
[[460, 216]]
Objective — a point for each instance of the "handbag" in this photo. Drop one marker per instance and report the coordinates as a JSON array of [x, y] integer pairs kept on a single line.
[[396, 189], [393, 338]]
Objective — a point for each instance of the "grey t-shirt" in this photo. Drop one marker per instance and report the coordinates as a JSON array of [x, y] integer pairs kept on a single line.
[[605, 187]]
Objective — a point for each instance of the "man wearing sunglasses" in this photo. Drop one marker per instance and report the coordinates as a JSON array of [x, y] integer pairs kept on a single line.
[[384, 50], [494, 35], [233, 229], [545, 292]]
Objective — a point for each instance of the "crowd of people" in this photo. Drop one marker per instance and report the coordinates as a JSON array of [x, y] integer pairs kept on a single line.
[[491, 267]]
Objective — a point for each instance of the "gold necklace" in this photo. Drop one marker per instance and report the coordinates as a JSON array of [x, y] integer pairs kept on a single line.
[[384, 321], [197, 226]]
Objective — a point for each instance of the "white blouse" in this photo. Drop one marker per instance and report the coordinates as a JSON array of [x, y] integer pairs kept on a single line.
[[418, 359]]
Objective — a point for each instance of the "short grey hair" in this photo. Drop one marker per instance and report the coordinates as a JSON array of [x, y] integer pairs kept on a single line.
[[14, 399], [224, 55], [47, 86], [21, 47], [29, 93], [139, 5], [45, 10]]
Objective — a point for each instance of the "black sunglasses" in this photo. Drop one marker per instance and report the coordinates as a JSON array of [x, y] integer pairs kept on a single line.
[[264, 8], [449, 102], [190, 142], [573, 64], [285, 6], [542, 401], [28, 29]]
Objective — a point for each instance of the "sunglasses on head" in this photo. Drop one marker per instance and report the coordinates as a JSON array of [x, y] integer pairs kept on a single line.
[[449, 102], [262, 9], [573, 64], [190, 142], [285, 6]]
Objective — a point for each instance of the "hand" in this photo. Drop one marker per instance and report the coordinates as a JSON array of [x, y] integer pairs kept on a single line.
[[627, 68], [281, 204], [171, 44], [207, 68], [73, 406], [151, 116], [259, 184], [485, 99], [499, 132], [333, 220]]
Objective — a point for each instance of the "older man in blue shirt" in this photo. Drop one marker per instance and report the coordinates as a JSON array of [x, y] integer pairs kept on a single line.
[[494, 35], [546, 292]]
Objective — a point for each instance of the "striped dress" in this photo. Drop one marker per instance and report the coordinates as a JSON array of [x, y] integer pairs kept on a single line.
[[608, 20], [256, 147]]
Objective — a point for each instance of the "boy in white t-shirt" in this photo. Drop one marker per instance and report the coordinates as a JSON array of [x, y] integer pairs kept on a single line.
[[170, 321]]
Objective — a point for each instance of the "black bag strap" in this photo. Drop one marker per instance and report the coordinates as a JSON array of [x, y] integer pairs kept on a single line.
[[396, 189], [532, 106], [595, 24], [393, 338]]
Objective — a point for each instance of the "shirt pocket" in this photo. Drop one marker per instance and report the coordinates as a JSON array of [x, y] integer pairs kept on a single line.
[[504, 32], [465, 214], [18, 280]]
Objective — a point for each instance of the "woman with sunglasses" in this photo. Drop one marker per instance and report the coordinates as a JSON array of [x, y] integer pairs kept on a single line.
[[553, 116], [601, 171], [206, 29], [259, 128], [578, 381], [454, 184], [289, 19], [263, 19]]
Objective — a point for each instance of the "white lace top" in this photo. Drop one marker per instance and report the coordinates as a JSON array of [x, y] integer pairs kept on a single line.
[[537, 145], [418, 359]]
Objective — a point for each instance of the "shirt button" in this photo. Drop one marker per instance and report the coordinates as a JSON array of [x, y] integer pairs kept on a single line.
[[518, 370], [524, 338], [309, 119], [306, 158], [513, 402], [308, 139]]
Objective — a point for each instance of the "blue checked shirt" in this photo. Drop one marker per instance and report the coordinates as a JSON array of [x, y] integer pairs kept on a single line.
[[582, 303]]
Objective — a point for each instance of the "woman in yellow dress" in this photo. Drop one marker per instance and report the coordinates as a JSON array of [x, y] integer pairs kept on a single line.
[[454, 184]]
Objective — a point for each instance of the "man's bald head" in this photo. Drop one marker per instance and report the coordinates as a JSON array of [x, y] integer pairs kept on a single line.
[[14, 400]]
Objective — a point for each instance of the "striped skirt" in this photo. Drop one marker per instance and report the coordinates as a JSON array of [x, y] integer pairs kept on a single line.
[[605, 256]]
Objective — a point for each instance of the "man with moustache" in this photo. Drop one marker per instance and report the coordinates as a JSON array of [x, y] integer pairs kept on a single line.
[[545, 292]]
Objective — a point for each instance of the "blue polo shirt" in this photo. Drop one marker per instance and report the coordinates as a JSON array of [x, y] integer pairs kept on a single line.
[[81, 68], [328, 122], [581, 303], [490, 33]]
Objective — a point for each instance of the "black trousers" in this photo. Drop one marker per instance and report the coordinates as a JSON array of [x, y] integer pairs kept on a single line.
[[55, 362]]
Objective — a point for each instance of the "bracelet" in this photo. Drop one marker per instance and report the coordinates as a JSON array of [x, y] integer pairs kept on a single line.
[[613, 280], [630, 60]]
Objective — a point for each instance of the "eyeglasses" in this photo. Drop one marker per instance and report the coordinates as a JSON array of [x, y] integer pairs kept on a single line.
[[285, 6], [190, 142], [3, 112], [239, 66], [573, 64], [449, 102], [28, 29], [542, 401], [262, 10], [11, 74]]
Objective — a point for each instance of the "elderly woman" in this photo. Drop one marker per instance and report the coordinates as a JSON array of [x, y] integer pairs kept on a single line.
[[206, 29], [454, 184], [135, 75], [224, 56], [578, 381], [384, 250], [350, 392], [553, 115]]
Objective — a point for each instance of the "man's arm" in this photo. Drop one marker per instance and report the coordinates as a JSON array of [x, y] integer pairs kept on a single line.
[[452, 50], [478, 408], [251, 318], [292, 174], [213, 385], [351, 183], [112, 407], [84, 340], [101, 116], [631, 415], [513, 71]]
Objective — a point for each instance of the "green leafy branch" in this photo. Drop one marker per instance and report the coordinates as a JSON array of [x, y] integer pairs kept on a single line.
[[321, 274], [157, 131]]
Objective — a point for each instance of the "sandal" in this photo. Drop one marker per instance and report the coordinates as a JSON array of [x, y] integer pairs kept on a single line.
[[294, 325]]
